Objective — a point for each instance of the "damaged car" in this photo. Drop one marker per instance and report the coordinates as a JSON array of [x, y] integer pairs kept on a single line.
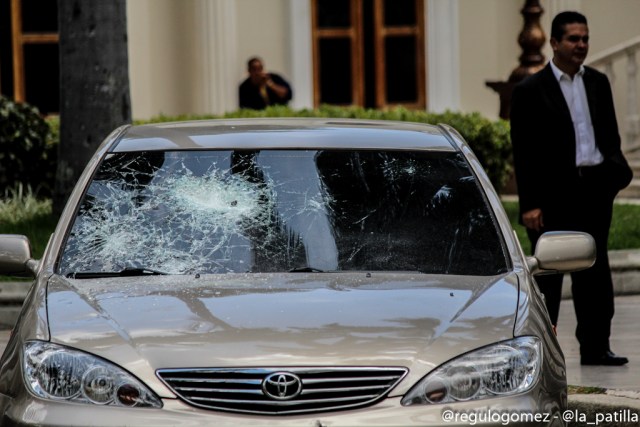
[[316, 272]]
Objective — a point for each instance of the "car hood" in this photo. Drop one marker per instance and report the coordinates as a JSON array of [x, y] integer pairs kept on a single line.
[[298, 319]]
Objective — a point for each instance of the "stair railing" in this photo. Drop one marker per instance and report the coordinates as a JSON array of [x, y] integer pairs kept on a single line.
[[623, 54]]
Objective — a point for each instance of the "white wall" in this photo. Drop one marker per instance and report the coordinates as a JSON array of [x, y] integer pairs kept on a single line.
[[161, 56], [489, 51]]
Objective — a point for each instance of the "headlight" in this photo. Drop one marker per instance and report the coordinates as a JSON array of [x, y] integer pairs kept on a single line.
[[505, 368], [55, 372]]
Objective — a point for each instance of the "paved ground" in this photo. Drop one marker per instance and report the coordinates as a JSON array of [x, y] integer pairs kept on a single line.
[[625, 340]]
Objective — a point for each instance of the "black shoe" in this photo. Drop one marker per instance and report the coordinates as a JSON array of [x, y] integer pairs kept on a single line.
[[609, 359]]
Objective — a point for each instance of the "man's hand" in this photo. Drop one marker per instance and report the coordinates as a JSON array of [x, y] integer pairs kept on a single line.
[[281, 91], [533, 219]]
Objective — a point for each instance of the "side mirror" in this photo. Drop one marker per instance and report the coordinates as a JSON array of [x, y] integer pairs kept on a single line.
[[15, 256], [562, 252]]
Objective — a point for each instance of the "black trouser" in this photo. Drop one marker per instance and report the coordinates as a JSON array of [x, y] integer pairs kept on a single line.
[[588, 209]]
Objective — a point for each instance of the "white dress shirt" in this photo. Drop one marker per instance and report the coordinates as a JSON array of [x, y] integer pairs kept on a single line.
[[587, 153]]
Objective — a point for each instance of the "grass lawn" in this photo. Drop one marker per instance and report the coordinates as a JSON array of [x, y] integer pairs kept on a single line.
[[22, 213], [624, 233]]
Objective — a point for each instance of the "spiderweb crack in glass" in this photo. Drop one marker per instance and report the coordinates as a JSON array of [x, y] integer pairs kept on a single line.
[[275, 210]]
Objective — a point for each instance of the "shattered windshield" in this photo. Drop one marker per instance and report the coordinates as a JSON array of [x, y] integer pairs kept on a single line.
[[187, 212]]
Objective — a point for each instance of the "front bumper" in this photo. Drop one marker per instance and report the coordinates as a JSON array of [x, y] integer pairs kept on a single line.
[[525, 409]]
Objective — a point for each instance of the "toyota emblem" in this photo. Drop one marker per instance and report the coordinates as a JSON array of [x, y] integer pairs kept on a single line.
[[282, 385]]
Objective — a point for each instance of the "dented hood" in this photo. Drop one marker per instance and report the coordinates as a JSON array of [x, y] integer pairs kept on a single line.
[[298, 319]]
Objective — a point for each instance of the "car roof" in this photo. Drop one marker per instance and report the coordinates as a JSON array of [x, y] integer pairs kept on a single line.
[[279, 133]]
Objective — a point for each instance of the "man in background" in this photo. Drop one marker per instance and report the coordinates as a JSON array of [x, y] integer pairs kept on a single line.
[[262, 89]]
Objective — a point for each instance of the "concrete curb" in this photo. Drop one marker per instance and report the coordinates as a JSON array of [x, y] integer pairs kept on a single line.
[[612, 409], [625, 271], [12, 294]]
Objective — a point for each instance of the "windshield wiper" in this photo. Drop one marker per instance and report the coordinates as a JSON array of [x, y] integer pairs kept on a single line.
[[306, 270], [127, 272]]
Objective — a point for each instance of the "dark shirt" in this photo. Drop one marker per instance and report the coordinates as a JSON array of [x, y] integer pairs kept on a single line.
[[250, 94]]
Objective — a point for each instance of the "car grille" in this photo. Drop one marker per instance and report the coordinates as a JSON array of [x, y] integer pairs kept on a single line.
[[281, 391]]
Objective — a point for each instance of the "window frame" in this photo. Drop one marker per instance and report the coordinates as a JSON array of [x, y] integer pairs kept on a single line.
[[18, 41], [381, 32]]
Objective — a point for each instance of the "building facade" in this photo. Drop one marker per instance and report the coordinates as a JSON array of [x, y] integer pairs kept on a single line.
[[189, 56]]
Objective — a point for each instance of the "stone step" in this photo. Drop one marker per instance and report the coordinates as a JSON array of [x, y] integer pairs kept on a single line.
[[14, 292], [635, 166], [9, 315], [633, 190]]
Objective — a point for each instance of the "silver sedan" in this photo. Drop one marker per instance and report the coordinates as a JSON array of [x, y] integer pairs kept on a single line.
[[313, 272]]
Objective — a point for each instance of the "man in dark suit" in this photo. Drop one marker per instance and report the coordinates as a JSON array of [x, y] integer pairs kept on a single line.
[[569, 167]]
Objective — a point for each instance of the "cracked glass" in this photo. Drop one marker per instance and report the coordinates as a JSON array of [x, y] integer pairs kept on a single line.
[[235, 211]]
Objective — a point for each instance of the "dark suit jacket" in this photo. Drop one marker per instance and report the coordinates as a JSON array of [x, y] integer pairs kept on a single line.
[[544, 147]]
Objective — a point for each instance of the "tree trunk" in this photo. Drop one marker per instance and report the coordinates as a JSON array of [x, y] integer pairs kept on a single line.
[[94, 84]]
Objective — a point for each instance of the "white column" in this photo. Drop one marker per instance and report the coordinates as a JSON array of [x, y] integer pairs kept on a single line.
[[218, 51], [301, 58], [557, 6], [443, 50]]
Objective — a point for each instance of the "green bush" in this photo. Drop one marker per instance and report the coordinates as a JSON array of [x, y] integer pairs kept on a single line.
[[27, 149], [488, 139]]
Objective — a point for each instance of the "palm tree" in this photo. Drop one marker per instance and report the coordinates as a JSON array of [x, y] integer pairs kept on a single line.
[[94, 83]]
